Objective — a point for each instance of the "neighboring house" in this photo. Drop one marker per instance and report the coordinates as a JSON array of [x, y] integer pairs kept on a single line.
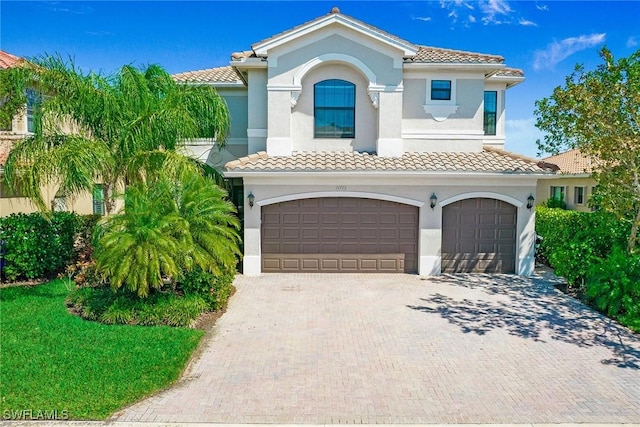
[[20, 127], [573, 184], [353, 150]]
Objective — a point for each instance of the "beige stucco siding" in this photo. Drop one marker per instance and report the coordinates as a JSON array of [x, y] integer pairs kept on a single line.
[[543, 191], [285, 61], [302, 116], [410, 190]]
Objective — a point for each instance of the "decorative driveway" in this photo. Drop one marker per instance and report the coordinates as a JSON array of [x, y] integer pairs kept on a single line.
[[340, 348]]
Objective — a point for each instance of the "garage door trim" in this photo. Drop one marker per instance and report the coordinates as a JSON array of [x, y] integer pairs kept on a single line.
[[482, 195], [346, 194]]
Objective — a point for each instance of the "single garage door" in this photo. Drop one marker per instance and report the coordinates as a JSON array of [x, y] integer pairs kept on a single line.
[[479, 236], [339, 235]]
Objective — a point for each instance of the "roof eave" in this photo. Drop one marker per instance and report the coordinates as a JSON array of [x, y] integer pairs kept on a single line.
[[510, 81], [372, 173], [463, 66]]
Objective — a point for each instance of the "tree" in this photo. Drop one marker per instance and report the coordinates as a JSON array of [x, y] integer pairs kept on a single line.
[[167, 229], [599, 112], [121, 128]]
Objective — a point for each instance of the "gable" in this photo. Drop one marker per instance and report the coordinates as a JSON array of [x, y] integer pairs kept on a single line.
[[338, 21]]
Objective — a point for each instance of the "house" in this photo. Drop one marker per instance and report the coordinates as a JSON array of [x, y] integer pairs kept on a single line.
[[353, 150], [21, 126], [573, 184]]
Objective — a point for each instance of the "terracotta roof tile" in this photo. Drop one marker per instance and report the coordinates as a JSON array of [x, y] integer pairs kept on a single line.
[[8, 60], [488, 160], [571, 162], [428, 54], [219, 75]]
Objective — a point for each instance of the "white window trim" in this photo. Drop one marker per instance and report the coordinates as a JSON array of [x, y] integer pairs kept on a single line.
[[440, 109]]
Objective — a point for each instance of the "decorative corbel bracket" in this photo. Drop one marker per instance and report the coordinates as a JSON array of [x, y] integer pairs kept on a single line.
[[295, 94]]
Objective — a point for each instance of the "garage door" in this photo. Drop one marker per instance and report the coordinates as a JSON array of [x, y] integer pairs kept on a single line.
[[339, 235], [479, 236]]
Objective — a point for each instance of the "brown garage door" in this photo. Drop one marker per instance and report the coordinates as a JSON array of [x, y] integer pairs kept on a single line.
[[339, 235], [479, 236]]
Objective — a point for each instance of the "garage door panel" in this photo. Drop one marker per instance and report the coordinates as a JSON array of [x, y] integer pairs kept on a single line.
[[340, 234], [479, 235]]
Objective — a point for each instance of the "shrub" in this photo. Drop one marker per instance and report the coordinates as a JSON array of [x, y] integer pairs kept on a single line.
[[555, 202], [214, 289], [574, 241], [125, 308], [38, 247], [613, 286]]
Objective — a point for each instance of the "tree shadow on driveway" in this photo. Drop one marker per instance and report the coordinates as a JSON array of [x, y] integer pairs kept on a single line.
[[531, 308]]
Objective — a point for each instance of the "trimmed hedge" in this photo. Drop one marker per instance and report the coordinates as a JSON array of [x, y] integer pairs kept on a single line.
[[39, 247], [572, 241]]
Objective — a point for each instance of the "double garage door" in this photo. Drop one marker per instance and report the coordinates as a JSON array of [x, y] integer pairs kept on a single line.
[[337, 234]]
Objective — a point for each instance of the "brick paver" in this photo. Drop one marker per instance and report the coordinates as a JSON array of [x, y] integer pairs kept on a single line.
[[323, 348]]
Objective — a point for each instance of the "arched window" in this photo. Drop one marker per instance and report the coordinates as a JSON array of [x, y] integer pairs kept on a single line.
[[334, 109]]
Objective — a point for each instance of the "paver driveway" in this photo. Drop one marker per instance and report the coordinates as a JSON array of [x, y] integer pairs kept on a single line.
[[322, 348]]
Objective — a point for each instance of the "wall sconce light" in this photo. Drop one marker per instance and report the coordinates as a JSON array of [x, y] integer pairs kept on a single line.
[[251, 199], [530, 201], [434, 200]]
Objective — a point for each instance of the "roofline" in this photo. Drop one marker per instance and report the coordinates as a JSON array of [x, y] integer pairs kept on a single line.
[[261, 48], [463, 66], [396, 173], [511, 81]]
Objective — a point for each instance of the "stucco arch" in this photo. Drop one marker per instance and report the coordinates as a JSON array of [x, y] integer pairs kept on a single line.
[[482, 194], [353, 194], [334, 57]]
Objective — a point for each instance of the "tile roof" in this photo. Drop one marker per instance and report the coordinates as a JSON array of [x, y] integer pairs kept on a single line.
[[220, 75], [8, 60], [428, 54], [571, 162], [488, 161]]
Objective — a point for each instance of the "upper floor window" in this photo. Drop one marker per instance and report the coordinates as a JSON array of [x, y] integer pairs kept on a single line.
[[441, 90], [490, 112], [33, 98], [334, 109]]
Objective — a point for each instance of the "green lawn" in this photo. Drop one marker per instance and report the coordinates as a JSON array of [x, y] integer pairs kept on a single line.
[[53, 361]]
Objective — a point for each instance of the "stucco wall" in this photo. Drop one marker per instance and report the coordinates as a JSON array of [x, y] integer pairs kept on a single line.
[[410, 190], [543, 190], [302, 116]]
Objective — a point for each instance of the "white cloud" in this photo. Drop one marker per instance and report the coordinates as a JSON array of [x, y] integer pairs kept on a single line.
[[542, 7], [560, 50], [495, 11], [632, 42], [472, 19], [527, 23], [421, 18], [521, 136]]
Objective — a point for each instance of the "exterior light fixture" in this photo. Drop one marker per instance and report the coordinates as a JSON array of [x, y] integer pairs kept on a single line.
[[434, 200], [251, 199], [530, 201]]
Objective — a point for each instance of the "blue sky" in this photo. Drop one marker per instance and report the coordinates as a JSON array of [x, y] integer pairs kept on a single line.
[[544, 38]]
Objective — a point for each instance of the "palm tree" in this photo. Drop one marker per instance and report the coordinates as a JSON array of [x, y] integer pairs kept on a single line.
[[120, 128], [168, 227]]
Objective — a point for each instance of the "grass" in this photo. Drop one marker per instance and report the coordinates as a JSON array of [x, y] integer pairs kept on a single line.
[[51, 360]]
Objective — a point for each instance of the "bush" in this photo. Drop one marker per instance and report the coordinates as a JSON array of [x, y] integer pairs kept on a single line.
[[215, 290], [613, 286], [554, 202], [124, 308], [38, 247], [574, 241]]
